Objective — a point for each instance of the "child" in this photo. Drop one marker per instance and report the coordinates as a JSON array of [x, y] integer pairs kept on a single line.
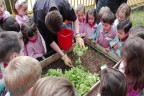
[[11, 47], [102, 10], [80, 12], [21, 74], [134, 31], [3, 13], [32, 40], [123, 32], [68, 24], [123, 12], [112, 83], [132, 55], [10, 24], [90, 26], [100, 14], [106, 32], [20, 9], [53, 86]]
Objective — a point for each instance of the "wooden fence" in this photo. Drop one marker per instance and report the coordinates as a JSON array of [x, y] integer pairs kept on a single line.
[[74, 3]]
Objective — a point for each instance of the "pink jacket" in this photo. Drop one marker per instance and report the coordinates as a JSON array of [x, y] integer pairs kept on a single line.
[[5, 15], [21, 20], [35, 49], [81, 27], [131, 91], [90, 31], [105, 37]]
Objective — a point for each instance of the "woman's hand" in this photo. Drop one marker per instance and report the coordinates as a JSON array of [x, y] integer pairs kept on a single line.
[[67, 61]]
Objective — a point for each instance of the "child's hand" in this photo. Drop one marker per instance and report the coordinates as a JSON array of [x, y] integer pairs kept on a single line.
[[115, 46], [107, 49]]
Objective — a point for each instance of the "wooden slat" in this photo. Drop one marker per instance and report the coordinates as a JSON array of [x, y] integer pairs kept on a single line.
[[53, 58], [102, 50]]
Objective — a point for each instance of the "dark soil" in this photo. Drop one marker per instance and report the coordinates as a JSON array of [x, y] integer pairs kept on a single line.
[[91, 60]]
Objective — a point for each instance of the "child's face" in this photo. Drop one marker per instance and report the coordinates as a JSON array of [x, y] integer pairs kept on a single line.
[[106, 26], [80, 15], [34, 37], [122, 34], [1, 9], [120, 16], [91, 19], [22, 10]]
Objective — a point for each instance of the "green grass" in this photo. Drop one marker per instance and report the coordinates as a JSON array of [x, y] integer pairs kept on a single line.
[[137, 17]]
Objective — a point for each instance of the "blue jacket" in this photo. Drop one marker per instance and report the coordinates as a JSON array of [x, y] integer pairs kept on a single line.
[[2, 87], [142, 93], [112, 42], [96, 34]]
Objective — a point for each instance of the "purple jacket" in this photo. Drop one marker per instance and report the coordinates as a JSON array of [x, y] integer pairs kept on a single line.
[[90, 31], [35, 49], [21, 20], [81, 27], [105, 37]]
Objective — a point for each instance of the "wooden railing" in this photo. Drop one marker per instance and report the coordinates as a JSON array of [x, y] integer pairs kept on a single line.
[[135, 2], [74, 3], [87, 3]]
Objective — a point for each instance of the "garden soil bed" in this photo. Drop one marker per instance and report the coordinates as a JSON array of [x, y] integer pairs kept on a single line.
[[92, 60]]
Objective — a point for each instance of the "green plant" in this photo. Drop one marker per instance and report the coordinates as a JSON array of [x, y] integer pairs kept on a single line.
[[79, 52], [81, 79]]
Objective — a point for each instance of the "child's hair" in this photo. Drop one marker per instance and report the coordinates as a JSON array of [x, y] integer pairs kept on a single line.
[[80, 8], [125, 25], [137, 31], [125, 9], [102, 11], [17, 4], [91, 12], [10, 24], [108, 17], [2, 2], [28, 31], [113, 83], [132, 53], [21, 74], [54, 21], [53, 86], [9, 43]]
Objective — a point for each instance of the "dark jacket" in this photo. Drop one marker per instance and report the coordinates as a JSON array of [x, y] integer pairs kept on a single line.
[[40, 10], [112, 4]]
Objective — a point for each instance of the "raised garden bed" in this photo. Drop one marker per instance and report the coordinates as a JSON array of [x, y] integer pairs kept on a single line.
[[92, 60]]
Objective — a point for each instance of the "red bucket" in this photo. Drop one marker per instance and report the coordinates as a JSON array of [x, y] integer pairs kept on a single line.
[[65, 38]]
